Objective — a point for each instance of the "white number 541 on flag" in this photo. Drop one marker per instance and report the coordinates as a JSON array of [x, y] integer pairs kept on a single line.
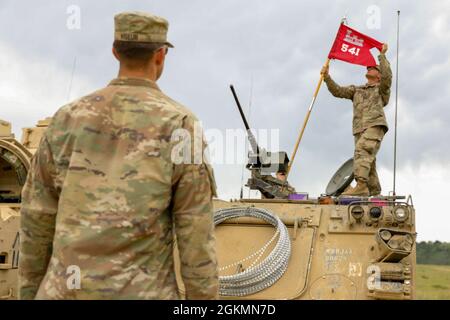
[[352, 50]]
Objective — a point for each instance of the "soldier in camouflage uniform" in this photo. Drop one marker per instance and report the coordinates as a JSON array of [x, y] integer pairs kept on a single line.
[[369, 122], [104, 195], [287, 188], [278, 187]]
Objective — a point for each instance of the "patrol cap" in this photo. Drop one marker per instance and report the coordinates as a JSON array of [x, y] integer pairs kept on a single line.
[[137, 26], [377, 67]]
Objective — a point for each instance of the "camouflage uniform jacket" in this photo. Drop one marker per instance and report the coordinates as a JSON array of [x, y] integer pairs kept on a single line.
[[103, 195], [368, 100], [281, 189]]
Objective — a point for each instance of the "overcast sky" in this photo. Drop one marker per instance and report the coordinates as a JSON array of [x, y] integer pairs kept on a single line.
[[275, 50]]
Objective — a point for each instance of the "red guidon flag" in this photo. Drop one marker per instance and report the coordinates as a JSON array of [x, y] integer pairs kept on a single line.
[[354, 47]]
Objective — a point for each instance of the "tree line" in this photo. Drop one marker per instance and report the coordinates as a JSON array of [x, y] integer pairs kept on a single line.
[[433, 252]]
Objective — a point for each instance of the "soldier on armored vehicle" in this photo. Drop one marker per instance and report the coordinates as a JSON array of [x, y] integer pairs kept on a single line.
[[369, 121]]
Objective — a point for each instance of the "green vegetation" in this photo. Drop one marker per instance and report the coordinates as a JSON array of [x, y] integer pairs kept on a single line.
[[433, 282], [433, 270], [436, 253]]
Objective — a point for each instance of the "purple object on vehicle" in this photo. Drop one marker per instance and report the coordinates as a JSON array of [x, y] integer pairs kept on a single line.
[[375, 201], [298, 196], [347, 201]]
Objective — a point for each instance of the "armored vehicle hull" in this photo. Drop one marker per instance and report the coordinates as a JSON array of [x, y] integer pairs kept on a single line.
[[335, 248], [333, 254], [15, 160]]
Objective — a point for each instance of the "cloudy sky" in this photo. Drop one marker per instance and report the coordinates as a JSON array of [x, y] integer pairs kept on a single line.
[[272, 51]]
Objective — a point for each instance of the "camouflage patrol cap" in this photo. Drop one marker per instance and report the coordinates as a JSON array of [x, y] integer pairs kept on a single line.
[[141, 27], [376, 67]]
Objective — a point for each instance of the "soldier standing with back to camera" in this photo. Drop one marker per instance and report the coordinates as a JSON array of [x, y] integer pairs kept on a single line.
[[369, 122], [104, 195]]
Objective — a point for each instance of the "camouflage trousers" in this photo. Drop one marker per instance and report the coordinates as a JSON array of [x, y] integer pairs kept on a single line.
[[367, 144]]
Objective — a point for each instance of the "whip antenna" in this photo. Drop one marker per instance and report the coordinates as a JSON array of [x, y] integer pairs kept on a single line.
[[396, 102], [71, 78]]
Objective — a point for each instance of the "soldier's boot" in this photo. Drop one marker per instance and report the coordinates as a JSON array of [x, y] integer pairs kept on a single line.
[[361, 189], [348, 189], [374, 187]]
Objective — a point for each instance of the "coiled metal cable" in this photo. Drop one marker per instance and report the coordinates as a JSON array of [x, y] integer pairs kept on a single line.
[[263, 275]]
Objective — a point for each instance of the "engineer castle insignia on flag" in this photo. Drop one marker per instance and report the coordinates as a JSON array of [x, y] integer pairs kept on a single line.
[[353, 39]]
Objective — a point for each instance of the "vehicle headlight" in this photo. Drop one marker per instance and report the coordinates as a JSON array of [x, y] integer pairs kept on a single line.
[[375, 213], [357, 212], [401, 213], [385, 235]]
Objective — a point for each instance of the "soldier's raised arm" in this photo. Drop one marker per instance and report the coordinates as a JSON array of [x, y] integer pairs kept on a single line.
[[37, 221], [386, 76], [193, 189], [335, 89]]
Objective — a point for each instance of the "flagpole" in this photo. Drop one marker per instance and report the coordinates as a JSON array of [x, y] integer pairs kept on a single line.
[[396, 102], [308, 114], [305, 122]]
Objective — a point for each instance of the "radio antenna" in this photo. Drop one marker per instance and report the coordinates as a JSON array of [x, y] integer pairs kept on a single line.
[[396, 103], [71, 78]]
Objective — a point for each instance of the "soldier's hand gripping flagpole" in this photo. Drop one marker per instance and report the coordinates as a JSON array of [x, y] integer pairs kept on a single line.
[[305, 122]]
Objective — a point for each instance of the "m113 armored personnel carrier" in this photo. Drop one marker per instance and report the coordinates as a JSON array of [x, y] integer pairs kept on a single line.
[[278, 247], [15, 159], [290, 246]]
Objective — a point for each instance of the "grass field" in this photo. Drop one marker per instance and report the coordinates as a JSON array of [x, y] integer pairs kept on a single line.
[[433, 282]]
